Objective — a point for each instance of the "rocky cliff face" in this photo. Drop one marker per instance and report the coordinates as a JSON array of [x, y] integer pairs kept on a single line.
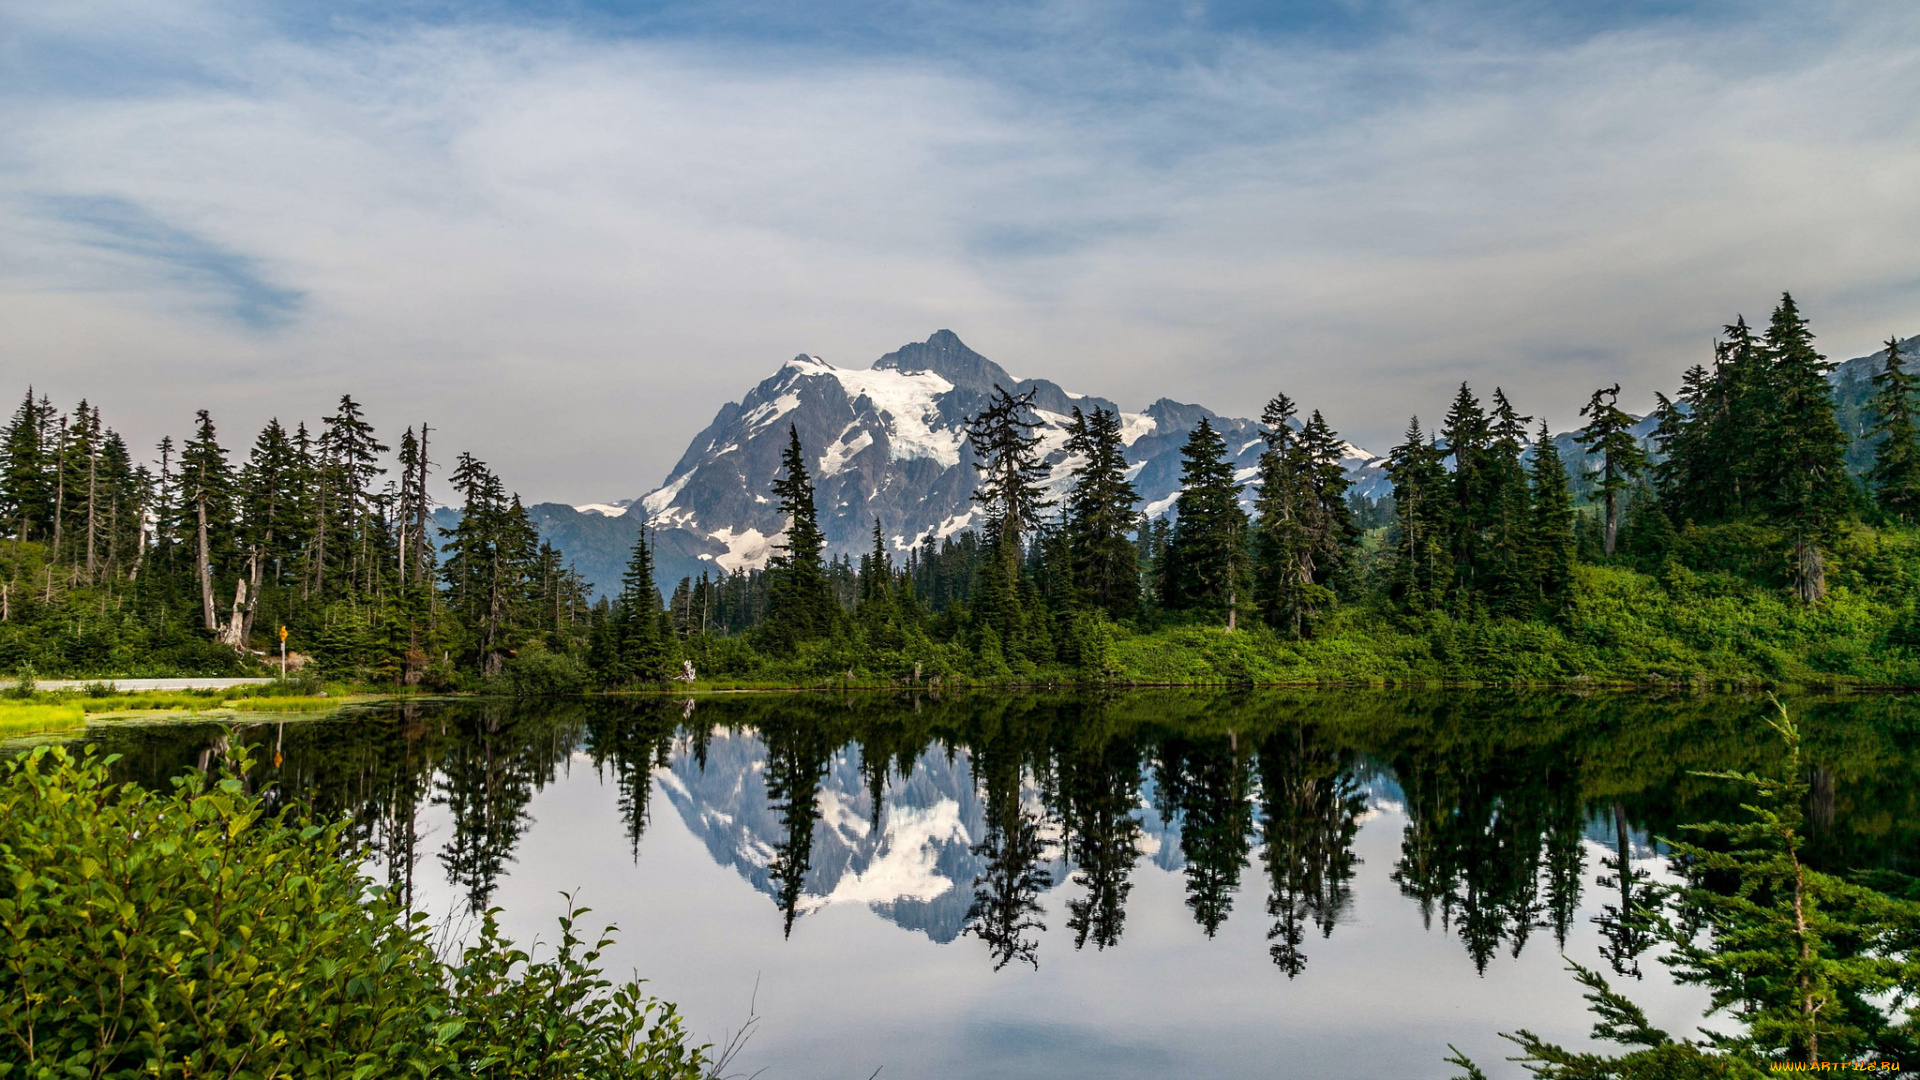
[[889, 443]]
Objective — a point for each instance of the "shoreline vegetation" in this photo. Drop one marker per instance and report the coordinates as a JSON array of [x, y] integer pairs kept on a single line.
[[1758, 530], [207, 931]]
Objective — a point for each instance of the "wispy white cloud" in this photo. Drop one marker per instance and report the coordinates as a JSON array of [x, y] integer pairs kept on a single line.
[[568, 247]]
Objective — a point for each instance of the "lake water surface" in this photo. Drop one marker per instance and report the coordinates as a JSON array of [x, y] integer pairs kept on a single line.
[[1156, 884]]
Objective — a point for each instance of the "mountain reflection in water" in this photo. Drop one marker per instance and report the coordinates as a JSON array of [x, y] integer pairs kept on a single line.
[[1026, 821]]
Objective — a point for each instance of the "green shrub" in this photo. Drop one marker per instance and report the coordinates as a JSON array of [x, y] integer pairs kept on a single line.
[[538, 673], [196, 934]]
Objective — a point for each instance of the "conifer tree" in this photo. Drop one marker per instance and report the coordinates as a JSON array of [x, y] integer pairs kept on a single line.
[[208, 486], [1010, 496], [1691, 475], [1099, 512], [1743, 379], [1302, 524], [1206, 557], [1422, 514], [800, 604], [876, 570], [1011, 474], [1550, 520], [28, 495], [487, 561], [641, 651], [1334, 530], [1279, 527], [1803, 462], [267, 510], [1465, 433], [1503, 573], [1895, 474], [352, 455], [1609, 433]]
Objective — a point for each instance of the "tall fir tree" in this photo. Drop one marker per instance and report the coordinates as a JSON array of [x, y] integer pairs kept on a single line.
[[1609, 433], [1550, 547], [28, 469], [1690, 475], [269, 514], [643, 652], [1009, 494], [1279, 524], [486, 566], [1895, 474], [352, 457], [1465, 433], [1302, 524], [1207, 554], [1804, 466], [800, 602], [1422, 569], [1099, 514], [207, 483], [1503, 573]]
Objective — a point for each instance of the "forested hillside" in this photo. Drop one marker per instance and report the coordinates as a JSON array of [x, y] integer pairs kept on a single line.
[[1733, 545]]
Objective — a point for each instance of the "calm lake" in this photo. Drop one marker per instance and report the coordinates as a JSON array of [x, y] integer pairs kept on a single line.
[[1193, 884]]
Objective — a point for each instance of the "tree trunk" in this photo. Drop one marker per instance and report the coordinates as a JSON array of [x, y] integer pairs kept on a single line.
[[139, 548], [93, 470], [59, 489], [1613, 523], [204, 560], [1809, 1008], [256, 567], [234, 634], [320, 545], [1809, 572]]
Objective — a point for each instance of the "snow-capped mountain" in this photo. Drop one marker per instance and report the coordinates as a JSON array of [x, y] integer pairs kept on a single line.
[[889, 443]]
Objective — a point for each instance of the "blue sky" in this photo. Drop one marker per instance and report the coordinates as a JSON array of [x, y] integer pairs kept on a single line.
[[566, 231]]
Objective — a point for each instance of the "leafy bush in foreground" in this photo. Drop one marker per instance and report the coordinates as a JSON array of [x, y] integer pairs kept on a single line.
[[197, 934]]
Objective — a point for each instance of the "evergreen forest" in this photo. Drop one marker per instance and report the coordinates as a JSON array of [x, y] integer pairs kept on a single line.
[[1756, 529]]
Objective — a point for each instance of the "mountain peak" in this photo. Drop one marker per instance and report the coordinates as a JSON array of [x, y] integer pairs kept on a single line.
[[945, 355]]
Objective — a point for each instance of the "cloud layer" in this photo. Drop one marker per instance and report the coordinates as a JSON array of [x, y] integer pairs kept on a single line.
[[566, 236]]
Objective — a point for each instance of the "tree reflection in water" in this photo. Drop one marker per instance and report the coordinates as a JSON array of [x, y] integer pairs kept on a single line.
[[1006, 894], [1099, 800], [1493, 790], [1627, 921], [1310, 804], [1205, 785]]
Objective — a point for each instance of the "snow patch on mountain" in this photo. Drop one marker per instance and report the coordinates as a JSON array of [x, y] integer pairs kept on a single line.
[[1136, 426], [765, 415], [655, 504], [843, 450], [745, 550], [909, 402]]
